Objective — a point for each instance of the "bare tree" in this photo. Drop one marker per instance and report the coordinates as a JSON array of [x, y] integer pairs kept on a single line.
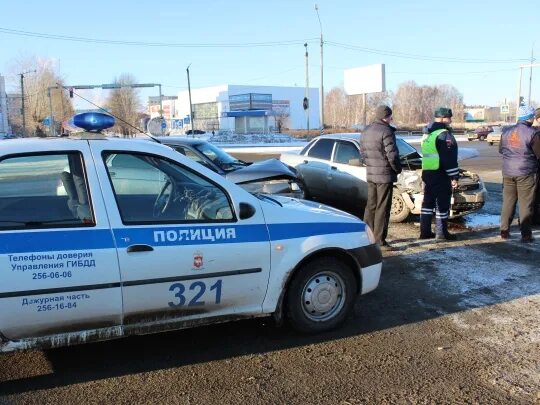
[[44, 74], [414, 105], [125, 104]]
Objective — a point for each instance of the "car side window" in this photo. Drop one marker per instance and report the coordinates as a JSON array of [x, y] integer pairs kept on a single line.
[[322, 149], [44, 191], [347, 153], [162, 191]]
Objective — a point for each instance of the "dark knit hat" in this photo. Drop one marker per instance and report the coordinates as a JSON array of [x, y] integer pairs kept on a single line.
[[383, 111], [443, 112]]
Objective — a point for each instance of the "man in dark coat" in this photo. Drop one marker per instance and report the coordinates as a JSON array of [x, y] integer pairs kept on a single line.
[[536, 216], [520, 149], [381, 157], [440, 173]]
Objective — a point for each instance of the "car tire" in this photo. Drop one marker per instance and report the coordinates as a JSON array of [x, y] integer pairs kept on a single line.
[[490, 143], [399, 211], [482, 138], [321, 295]]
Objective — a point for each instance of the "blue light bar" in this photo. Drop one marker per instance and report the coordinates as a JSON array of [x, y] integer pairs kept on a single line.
[[93, 121]]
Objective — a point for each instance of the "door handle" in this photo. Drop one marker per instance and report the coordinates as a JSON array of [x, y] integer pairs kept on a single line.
[[333, 167], [305, 162], [139, 248]]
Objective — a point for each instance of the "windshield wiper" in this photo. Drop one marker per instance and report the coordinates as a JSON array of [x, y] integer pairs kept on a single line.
[[262, 196]]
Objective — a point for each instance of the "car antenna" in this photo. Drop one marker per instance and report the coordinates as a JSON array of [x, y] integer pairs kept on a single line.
[[111, 114]]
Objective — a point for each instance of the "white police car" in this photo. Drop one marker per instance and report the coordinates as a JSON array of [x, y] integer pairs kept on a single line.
[[108, 259]]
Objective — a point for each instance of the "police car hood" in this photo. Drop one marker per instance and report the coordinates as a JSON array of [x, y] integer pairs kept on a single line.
[[271, 169], [311, 207]]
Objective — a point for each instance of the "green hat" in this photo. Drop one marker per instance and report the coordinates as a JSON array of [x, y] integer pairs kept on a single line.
[[443, 112]]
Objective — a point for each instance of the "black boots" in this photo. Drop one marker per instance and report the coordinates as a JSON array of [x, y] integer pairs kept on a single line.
[[441, 228]]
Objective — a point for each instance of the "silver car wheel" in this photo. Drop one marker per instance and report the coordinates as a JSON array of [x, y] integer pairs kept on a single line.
[[323, 296]]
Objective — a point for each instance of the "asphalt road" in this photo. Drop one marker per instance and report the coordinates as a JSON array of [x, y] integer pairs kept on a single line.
[[454, 322]]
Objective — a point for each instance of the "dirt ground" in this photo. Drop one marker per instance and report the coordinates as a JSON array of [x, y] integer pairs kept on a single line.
[[451, 323]]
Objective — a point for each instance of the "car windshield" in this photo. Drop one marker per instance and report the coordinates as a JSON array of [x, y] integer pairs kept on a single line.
[[219, 157], [404, 148]]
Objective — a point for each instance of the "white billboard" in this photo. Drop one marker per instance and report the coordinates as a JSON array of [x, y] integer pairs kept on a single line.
[[365, 80]]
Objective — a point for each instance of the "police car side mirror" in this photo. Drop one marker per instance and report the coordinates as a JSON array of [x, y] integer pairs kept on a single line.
[[246, 210]]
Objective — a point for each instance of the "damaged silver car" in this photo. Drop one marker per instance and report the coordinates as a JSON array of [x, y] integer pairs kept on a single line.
[[332, 171], [266, 176]]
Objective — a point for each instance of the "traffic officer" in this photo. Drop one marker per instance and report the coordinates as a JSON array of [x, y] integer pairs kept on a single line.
[[440, 174]]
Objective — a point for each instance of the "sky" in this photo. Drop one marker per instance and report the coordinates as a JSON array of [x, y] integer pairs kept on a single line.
[[476, 46]]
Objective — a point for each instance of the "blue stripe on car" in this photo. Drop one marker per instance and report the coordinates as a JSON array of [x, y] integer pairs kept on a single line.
[[93, 239]]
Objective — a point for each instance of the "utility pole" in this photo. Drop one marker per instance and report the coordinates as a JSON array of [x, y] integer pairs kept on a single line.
[[530, 74], [22, 99], [322, 72], [532, 65], [307, 92], [190, 105]]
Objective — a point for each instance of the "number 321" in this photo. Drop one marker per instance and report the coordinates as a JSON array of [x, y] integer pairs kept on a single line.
[[200, 288]]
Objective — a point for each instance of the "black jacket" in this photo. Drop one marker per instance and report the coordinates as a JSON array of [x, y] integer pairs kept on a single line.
[[380, 153]]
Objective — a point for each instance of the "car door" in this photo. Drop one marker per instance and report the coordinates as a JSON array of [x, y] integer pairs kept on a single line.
[[347, 175], [58, 265], [184, 255], [315, 168]]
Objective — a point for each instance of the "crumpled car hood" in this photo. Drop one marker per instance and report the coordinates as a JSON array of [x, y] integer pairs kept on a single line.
[[262, 170]]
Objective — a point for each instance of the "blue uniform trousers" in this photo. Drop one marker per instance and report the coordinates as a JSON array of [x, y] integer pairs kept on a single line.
[[437, 196]]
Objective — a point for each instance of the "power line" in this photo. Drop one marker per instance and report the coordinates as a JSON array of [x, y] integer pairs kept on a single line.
[[152, 44], [455, 73], [420, 57]]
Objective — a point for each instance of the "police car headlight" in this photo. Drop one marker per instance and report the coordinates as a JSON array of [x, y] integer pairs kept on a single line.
[[369, 234]]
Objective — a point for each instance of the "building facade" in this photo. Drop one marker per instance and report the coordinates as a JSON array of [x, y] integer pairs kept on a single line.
[[248, 109]]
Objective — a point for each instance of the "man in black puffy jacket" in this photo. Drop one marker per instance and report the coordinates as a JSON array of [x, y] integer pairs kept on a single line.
[[381, 157]]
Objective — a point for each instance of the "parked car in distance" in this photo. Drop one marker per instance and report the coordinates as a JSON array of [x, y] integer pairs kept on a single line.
[[332, 171], [195, 132], [266, 176], [495, 135], [479, 133]]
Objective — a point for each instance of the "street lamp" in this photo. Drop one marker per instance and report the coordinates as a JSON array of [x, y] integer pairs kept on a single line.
[[190, 105], [22, 99], [321, 107]]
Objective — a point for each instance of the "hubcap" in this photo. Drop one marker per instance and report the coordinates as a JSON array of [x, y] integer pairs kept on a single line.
[[323, 296]]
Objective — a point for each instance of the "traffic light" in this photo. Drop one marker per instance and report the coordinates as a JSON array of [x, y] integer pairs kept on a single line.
[[305, 103], [521, 101], [71, 92]]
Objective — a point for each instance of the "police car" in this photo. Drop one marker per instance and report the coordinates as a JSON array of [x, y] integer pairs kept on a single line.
[[109, 258]]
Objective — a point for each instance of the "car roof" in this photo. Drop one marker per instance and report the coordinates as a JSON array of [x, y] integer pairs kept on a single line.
[[180, 140], [65, 143], [354, 136]]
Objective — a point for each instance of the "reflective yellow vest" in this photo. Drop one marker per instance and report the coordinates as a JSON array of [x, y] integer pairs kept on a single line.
[[430, 155]]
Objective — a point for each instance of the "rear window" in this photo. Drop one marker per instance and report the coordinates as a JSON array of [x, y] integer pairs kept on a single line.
[[322, 149], [44, 191]]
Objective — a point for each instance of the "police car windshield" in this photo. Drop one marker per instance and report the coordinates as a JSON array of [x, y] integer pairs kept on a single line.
[[219, 157]]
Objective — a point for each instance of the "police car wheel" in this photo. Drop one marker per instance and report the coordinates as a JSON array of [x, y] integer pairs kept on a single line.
[[399, 211], [320, 295]]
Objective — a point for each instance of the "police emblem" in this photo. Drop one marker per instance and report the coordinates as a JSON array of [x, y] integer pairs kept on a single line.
[[197, 261]]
